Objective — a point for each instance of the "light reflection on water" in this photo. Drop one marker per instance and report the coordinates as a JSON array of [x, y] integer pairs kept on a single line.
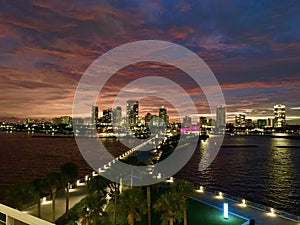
[[265, 174]]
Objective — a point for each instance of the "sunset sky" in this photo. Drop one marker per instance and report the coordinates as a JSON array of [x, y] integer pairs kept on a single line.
[[252, 47]]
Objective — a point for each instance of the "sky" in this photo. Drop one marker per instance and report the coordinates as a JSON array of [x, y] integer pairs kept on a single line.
[[252, 48]]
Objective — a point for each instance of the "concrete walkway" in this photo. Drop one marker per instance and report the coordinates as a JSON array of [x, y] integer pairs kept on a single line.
[[76, 195], [260, 217]]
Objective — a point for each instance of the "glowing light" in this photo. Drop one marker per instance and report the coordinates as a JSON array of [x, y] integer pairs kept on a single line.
[[158, 176], [220, 195], [200, 190], [45, 202], [243, 204], [225, 210], [86, 178], [171, 180], [94, 174], [272, 212]]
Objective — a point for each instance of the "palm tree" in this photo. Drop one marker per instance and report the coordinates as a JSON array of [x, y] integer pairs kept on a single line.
[[93, 212], [40, 189], [69, 173], [132, 203], [96, 199], [183, 189], [149, 204], [169, 203], [54, 182]]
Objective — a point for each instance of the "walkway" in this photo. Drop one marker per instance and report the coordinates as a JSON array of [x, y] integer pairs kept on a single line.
[[260, 217], [76, 195]]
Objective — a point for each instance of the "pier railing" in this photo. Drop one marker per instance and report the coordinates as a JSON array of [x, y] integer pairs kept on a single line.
[[10, 216]]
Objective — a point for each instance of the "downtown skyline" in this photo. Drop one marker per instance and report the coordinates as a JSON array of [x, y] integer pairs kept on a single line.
[[252, 48]]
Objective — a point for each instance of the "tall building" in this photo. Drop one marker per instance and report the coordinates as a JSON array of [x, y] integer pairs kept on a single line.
[[95, 114], [163, 115], [148, 118], [240, 120], [107, 116], [132, 112], [187, 121], [117, 116], [279, 114], [220, 117], [203, 121]]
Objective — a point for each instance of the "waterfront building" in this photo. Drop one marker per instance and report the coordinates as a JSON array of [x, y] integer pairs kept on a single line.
[[95, 117], [220, 117], [117, 116], [107, 116], [62, 120], [132, 112], [202, 121], [240, 120], [270, 122], [261, 123], [279, 116], [187, 121], [148, 118], [163, 114]]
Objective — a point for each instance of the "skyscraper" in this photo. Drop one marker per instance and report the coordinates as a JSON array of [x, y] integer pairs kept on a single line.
[[95, 110], [132, 112], [279, 114], [163, 115], [117, 116], [240, 120], [220, 117]]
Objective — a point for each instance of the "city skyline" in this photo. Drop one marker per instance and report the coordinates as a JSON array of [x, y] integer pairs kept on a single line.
[[42, 57]]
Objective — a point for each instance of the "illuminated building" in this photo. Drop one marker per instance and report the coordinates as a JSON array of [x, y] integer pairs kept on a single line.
[[132, 112], [117, 116], [107, 115], [94, 114], [220, 117], [163, 115], [187, 121], [240, 120], [148, 118], [279, 114]]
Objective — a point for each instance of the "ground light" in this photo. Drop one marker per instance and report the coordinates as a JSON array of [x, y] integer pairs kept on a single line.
[[220, 195], [243, 204], [200, 190], [272, 212], [171, 180], [225, 210]]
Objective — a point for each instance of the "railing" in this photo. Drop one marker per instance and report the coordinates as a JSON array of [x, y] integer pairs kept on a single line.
[[11, 215], [258, 206]]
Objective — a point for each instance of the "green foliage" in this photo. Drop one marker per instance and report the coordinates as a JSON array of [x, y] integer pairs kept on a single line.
[[168, 204], [21, 194], [132, 204]]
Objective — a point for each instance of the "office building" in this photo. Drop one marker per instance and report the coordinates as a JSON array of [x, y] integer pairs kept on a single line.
[[279, 116], [220, 117], [132, 112], [163, 115], [94, 118]]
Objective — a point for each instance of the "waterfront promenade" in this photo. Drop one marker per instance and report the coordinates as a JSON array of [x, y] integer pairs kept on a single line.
[[260, 217], [76, 195]]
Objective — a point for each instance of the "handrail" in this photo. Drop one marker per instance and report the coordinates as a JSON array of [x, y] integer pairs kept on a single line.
[[21, 216]]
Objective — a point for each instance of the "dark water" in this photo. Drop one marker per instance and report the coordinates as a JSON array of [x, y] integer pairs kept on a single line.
[[265, 174]]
